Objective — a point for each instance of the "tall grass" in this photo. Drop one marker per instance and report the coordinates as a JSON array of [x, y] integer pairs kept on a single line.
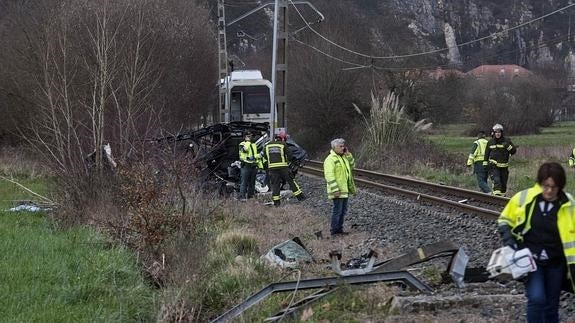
[[388, 125]]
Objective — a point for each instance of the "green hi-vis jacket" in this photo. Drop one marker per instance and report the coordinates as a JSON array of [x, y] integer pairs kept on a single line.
[[572, 158], [517, 215], [477, 152], [249, 154], [337, 171]]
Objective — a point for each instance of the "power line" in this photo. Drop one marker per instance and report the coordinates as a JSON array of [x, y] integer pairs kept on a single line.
[[328, 55], [428, 67], [431, 51]]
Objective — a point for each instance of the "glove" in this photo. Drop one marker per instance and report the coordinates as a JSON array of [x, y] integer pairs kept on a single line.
[[507, 237]]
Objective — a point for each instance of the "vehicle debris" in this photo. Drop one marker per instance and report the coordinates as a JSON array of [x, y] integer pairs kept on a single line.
[[289, 254], [214, 150]]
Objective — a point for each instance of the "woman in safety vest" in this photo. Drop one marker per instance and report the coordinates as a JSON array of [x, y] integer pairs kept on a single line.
[[542, 218]]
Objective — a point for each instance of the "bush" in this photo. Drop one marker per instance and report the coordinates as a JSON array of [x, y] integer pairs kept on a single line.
[[521, 106], [388, 125]]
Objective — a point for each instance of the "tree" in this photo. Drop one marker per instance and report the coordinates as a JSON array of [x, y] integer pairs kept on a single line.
[[91, 73]]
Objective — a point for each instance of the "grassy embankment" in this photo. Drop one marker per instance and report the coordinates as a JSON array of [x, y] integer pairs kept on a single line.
[[53, 275], [552, 144], [49, 274]]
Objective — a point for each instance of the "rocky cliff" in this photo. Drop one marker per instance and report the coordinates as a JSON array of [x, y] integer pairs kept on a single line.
[[400, 27], [460, 21]]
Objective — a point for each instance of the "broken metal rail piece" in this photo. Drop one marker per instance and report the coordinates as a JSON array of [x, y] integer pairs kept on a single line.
[[456, 269], [402, 276], [424, 253], [306, 301]]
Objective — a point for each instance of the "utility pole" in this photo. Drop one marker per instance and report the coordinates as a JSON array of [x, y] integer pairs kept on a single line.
[[222, 63], [279, 56], [279, 65]]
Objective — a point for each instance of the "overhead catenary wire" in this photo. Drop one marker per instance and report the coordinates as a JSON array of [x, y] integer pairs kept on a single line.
[[425, 67], [356, 65], [430, 51]]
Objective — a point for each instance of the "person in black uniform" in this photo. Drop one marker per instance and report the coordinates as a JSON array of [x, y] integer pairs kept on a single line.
[[278, 156], [497, 153]]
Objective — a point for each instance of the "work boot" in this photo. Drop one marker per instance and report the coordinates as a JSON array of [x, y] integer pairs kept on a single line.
[[300, 197], [277, 203]]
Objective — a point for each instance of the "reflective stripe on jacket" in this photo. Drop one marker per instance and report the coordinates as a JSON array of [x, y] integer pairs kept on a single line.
[[498, 151], [517, 215], [338, 174], [276, 154], [477, 152]]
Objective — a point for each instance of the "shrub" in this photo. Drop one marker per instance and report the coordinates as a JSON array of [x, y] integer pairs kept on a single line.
[[521, 106], [388, 125]]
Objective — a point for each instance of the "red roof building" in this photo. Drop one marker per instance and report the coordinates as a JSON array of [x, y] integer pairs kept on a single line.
[[507, 72]]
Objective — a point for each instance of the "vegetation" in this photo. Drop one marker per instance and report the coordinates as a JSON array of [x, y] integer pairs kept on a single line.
[[71, 275], [388, 125], [49, 274], [77, 76], [553, 144]]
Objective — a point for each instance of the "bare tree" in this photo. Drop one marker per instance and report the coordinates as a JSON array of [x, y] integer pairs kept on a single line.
[[92, 73]]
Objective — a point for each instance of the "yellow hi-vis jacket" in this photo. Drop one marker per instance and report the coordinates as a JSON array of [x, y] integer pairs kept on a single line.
[[249, 154], [517, 215], [572, 158], [477, 152], [337, 171]]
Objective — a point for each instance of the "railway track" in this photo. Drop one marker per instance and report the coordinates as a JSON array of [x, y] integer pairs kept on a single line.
[[485, 205]]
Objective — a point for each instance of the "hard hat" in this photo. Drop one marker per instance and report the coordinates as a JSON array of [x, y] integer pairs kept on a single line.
[[497, 127], [281, 135]]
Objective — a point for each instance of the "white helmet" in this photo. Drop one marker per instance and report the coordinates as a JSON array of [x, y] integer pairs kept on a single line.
[[497, 127]]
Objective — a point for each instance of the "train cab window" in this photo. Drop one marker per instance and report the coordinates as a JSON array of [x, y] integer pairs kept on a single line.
[[256, 99]]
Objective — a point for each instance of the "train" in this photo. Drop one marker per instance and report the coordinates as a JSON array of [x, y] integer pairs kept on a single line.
[[248, 97]]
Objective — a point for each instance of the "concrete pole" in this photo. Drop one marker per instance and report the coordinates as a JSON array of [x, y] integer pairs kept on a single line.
[[279, 64], [273, 120]]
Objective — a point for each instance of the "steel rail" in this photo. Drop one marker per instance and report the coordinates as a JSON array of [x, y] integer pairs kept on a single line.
[[475, 195], [485, 213]]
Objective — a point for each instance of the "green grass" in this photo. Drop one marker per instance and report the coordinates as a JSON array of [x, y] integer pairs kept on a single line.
[[10, 193], [75, 275], [552, 144]]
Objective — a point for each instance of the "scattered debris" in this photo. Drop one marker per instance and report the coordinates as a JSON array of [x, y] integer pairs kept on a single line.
[[323, 283], [28, 206], [359, 266], [214, 150], [43, 201], [289, 254], [107, 158]]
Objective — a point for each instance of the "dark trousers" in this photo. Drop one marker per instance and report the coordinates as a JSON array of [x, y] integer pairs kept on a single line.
[[248, 181], [499, 176], [277, 177], [337, 215], [543, 289], [481, 175]]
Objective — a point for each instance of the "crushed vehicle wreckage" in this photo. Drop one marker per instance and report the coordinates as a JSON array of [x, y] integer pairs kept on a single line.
[[215, 152]]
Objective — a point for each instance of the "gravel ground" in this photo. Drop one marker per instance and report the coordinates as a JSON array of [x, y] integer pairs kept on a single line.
[[398, 224]]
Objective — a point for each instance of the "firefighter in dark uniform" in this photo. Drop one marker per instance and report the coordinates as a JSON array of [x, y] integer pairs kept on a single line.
[[278, 156], [497, 153]]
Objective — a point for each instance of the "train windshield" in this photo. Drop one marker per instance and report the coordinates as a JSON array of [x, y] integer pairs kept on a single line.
[[256, 99]]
